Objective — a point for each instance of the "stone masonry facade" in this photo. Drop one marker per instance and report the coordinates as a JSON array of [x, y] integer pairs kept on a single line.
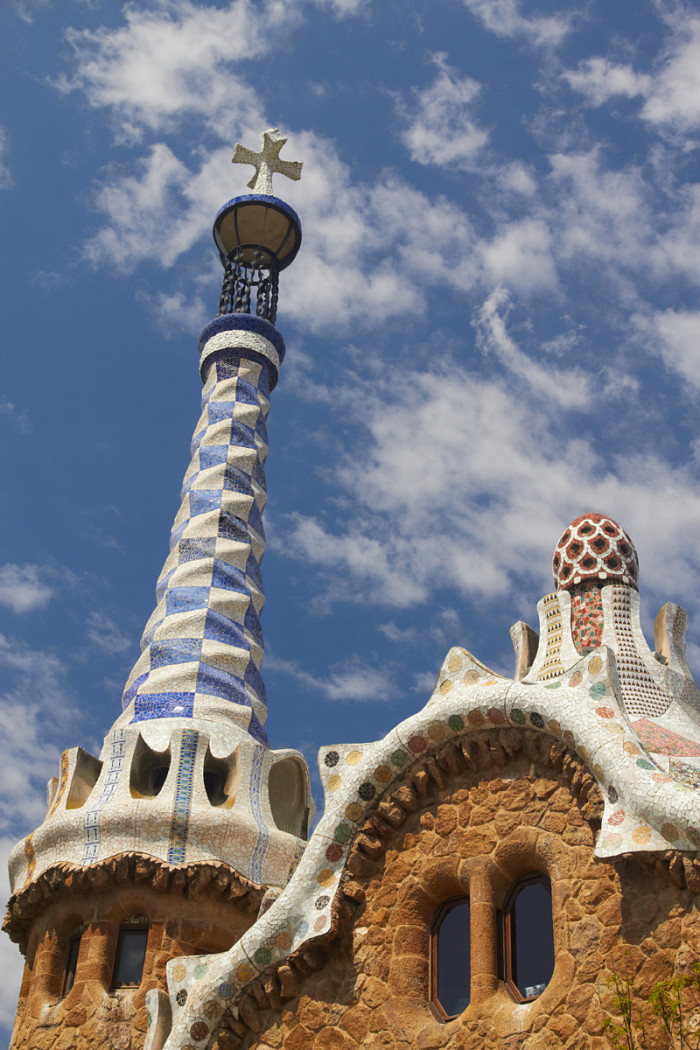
[[452, 831], [201, 909]]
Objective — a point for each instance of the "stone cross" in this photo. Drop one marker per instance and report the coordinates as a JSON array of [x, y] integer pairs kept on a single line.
[[267, 161]]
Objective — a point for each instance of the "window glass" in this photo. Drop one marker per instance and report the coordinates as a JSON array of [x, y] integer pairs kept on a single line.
[[530, 937], [131, 952], [71, 964], [451, 961]]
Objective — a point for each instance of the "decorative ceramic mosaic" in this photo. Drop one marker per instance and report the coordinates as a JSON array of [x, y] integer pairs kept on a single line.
[[645, 809], [552, 662], [685, 772], [586, 616], [594, 547], [110, 781], [62, 781], [196, 689], [664, 742], [642, 695], [30, 859], [257, 860], [183, 797], [204, 638]]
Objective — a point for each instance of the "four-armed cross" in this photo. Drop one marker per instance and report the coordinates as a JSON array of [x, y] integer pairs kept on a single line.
[[267, 161]]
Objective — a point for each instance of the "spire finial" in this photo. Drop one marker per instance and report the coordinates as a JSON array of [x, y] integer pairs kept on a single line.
[[267, 161]]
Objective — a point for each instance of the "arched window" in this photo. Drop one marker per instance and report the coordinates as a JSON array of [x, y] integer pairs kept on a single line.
[[450, 970], [71, 965], [528, 937], [130, 955]]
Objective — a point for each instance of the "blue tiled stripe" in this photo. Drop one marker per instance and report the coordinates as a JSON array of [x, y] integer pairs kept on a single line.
[[109, 786], [179, 825]]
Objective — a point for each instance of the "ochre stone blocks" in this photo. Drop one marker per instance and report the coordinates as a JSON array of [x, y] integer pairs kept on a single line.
[[93, 1015], [634, 917]]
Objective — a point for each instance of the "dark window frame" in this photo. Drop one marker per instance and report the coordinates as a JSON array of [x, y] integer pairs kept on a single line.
[[71, 964], [440, 915], [128, 928], [508, 934]]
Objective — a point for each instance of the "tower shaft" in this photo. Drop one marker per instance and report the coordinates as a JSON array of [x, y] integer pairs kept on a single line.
[[166, 843], [203, 641]]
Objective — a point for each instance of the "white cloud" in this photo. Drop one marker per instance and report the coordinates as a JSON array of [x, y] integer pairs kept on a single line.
[[105, 634], [567, 387], [139, 210], [670, 92], [6, 178], [175, 60], [618, 219], [678, 338], [445, 627], [521, 256], [24, 588], [344, 8], [34, 711], [397, 634], [599, 79], [11, 961], [174, 313], [674, 95], [439, 125], [352, 680], [36, 716], [604, 215], [359, 251], [424, 682], [504, 18], [466, 483], [19, 418]]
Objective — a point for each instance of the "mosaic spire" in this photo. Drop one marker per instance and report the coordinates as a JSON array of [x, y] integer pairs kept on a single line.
[[203, 644], [186, 798]]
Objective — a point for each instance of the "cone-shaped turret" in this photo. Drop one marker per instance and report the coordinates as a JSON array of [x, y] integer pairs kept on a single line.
[[186, 781]]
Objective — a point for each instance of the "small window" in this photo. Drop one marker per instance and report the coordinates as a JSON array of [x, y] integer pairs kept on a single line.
[[450, 973], [528, 937], [131, 952], [71, 965], [221, 778], [149, 770], [287, 793]]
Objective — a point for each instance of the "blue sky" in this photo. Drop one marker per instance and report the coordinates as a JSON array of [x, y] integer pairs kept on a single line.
[[492, 325]]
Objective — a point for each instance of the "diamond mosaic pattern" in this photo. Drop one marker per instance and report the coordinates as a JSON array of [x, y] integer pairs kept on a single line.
[[204, 637]]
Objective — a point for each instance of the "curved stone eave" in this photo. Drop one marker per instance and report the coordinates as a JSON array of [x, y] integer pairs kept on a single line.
[[645, 810], [210, 879]]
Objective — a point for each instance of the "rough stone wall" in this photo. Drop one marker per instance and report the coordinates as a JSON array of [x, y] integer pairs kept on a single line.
[[369, 988], [207, 916]]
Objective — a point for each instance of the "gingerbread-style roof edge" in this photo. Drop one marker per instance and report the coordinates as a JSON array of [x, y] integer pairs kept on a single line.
[[209, 878], [577, 720]]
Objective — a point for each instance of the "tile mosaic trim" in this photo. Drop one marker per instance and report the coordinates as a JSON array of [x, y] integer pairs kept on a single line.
[[685, 772], [642, 696], [251, 341], [179, 827], [645, 809], [552, 662], [669, 633], [62, 782], [109, 779], [257, 862], [663, 741], [586, 617], [30, 857], [204, 638]]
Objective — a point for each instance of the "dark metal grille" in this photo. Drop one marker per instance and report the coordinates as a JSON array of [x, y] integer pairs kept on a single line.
[[239, 281]]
